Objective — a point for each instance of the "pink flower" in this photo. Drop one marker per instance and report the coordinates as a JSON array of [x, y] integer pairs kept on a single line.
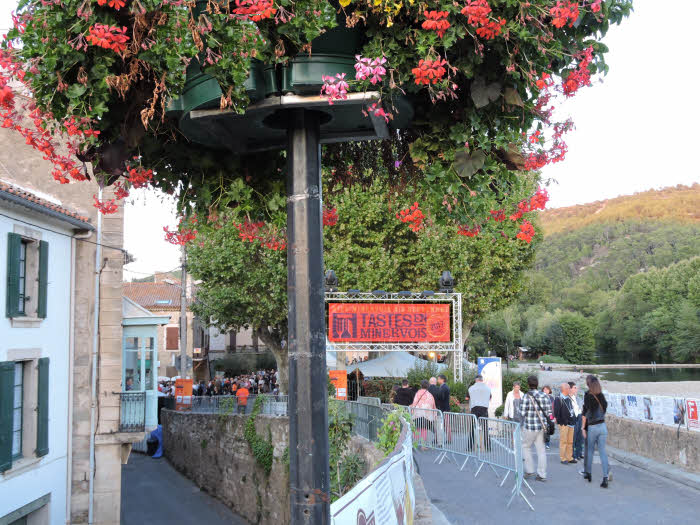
[[334, 88], [370, 68]]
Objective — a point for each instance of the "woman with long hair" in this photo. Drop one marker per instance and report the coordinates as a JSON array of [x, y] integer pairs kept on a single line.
[[511, 410], [594, 429], [424, 412]]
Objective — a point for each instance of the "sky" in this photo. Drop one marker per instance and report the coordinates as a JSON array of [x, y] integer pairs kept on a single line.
[[635, 130]]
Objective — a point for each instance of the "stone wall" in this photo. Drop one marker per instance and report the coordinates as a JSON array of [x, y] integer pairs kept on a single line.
[[658, 442], [211, 450]]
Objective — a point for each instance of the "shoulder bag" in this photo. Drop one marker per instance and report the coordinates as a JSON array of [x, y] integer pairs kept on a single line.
[[596, 415], [547, 424]]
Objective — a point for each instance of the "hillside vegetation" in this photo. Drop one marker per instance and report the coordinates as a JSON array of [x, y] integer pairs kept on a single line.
[[619, 277], [680, 204]]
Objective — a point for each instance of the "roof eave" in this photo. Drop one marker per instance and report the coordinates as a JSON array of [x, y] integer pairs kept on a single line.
[[15, 199]]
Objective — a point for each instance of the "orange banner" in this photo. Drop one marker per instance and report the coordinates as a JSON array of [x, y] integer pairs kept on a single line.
[[183, 394], [339, 378], [388, 323]]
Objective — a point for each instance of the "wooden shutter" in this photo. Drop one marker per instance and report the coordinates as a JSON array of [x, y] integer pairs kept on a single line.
[[43, 278], [42, 412], [7, 384], [14, 243], [172, 336]]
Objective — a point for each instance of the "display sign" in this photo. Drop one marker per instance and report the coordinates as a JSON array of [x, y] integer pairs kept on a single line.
[[691, 413], [491, 371], [389, 322], [339, 378], [183, 394]]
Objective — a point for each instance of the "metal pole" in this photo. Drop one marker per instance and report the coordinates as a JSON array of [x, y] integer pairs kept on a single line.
[[183, 316], [308, 387]]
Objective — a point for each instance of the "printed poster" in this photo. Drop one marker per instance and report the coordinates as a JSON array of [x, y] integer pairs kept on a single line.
[[339, 378], [691, 414], [647, 409], [490, 369]]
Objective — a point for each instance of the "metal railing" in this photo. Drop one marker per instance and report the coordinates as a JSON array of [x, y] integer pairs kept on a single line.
[[427, 427], [460, 438], [375, 401], [273, 405], [367, 419], [132, 411]]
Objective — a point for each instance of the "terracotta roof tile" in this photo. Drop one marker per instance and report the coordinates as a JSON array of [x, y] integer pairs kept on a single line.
[[154, 296], [30, 197]]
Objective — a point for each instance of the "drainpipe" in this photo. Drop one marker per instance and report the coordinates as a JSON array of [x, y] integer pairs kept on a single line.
[[71, 358], [95, 343]]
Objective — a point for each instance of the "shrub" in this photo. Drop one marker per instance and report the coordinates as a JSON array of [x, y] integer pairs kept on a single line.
[[499, 411], [380, 388], [390, 431], [511, 377], [554, 359], [422, 370]]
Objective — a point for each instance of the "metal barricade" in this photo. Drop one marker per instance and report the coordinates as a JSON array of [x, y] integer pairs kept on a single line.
[[500, 445], [460, 437], [375, 401], [367, 419], [427, 427], [388, 407]]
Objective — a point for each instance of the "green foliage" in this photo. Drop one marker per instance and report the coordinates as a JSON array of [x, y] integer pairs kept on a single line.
[[499, 411], [331, 388], [578, 345], [554, 359], [346, 468], [511, 377], [381, 388], [390, 430], [422, 370], [262, 448]]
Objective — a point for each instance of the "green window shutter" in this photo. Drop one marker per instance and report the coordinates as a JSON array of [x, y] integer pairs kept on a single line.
[[43, 278], [14, 243], [42, 416], [7, 383]]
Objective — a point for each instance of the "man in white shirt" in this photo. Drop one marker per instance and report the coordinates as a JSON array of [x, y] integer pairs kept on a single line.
[[578, 434]]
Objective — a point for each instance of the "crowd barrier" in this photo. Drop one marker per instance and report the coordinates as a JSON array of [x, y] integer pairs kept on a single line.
[[273, 405], [375, 401], [460, 438]]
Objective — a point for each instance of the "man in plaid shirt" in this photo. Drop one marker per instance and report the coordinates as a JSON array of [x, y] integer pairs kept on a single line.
[[536, 410]]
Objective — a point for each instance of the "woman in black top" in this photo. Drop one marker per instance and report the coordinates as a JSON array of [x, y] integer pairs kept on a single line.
[[594, 430]]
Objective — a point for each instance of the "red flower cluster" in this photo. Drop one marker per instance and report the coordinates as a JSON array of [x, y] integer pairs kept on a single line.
[[105, 206], [140, 177], [412, 215], [595, 6], [498, 215], [256, 232], [120, 191], [255, 10], [429, 71], [108, 37], [181, 236], [478, 12], [330, 216], [436, 21], [544, 81], [114, 4], [565, 11], [537, 202], [527, 232], [581, 76], [469, 232]]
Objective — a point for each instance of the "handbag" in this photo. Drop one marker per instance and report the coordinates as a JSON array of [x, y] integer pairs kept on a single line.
[[548, 427], [595, 416]]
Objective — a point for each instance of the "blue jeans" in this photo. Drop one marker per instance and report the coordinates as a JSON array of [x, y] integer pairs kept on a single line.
[[578, 439], [597, 435]]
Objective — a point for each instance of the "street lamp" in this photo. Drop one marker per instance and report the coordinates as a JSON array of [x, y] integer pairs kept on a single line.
[[446, 282], [331, 281]]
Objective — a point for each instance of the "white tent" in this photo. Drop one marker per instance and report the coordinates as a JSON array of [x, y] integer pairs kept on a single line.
[[393, 364]]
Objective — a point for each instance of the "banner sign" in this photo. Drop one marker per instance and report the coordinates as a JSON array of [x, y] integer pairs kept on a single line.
[[490, 369], [389, 323], [339, 378], [183, 394], [691, 413], [385, 497]]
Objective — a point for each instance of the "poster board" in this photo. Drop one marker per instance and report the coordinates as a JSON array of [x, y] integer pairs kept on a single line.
[[691, 414], [183, 394], [491, 369], [339, 378]]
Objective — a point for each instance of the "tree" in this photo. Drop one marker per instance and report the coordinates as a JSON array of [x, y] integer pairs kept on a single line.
[[578, 344], [686, 336], [243, 283]]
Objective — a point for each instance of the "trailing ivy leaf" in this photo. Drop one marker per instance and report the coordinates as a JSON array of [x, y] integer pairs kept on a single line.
[[483, 94], [75, 91], [467, 165], [512, 97]]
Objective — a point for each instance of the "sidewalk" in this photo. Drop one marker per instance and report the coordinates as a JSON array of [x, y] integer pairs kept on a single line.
[[636, 496], [154, 493]]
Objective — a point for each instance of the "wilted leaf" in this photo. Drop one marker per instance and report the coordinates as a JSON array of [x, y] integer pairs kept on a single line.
[[513, 97], [467, 165]]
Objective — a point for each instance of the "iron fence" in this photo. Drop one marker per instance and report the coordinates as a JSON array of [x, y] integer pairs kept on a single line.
[[375, 401], [272, 405], [427, 427], [132, 411], [460, 437]]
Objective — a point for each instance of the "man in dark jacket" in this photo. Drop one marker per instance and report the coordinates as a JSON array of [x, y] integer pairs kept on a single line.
[[404, 395], [566, 419], [442, 399]]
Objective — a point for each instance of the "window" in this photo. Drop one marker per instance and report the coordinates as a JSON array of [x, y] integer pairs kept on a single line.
[[18, 405], [24, 410], [27, 277], [172, 338]]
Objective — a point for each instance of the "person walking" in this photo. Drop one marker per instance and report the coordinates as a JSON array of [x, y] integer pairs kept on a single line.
[[564, 416], [511, 410], [423, 415], [535, 409], [433, 387], [242, 394], [594, 429], [404, 395], [578, 434], [547, 390], [442, 403]]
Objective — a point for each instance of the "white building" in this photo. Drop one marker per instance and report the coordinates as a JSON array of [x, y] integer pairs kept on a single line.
[[36, 261]]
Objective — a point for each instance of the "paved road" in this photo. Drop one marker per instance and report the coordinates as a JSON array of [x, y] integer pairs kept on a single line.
[[154, 493], [635, 497]]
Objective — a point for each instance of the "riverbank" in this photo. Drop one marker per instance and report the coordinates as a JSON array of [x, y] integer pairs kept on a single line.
[[671, 388]]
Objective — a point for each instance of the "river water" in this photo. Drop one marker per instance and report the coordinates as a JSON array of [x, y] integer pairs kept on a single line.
[[637, 375]]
